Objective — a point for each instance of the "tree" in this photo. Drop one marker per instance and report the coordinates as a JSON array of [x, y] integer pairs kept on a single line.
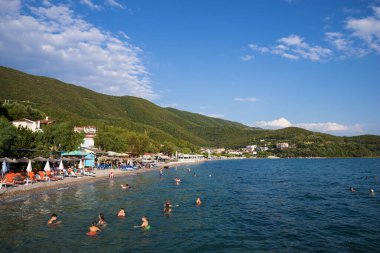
[[8, 136], [60, 137]]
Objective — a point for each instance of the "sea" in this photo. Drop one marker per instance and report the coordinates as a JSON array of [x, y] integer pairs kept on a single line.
[[250, 205]]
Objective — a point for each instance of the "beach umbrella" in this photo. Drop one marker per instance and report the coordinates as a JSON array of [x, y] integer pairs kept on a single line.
[[61, 165], [52, 160], [80, 166], [39, 159], [47, 166], [4, 168], [29, 168], [7, 160], [23, 160], [66, 159]]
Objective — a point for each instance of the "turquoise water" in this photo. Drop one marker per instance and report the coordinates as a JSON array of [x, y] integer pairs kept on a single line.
[[282, 205]]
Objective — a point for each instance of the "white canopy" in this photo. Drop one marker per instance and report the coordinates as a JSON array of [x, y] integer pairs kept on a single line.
[[29, 167], [47, 166]]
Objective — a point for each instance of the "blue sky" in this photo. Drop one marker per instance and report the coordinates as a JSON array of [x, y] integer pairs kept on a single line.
[[271, 64]]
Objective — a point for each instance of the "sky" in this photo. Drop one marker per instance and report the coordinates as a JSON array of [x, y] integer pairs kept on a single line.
[[269, 64]]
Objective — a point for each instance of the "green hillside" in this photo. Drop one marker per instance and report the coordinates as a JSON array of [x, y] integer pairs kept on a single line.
[[80, 106]]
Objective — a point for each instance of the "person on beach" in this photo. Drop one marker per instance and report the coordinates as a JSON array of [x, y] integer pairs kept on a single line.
[[121, 213], [111, 173], [167, 207], [53, 220], [125, 186], [93, 229], [198, 201], [102, 219]]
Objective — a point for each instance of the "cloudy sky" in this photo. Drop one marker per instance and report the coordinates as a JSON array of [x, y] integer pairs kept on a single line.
[[270, 64]]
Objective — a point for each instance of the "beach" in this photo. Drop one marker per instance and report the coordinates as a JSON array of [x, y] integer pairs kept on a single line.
[[15, 191]]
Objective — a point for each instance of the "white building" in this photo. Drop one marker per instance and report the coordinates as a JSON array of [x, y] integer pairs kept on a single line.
[[251, 148], [34, 126], [189, 158], [282, 145], [90, 133]]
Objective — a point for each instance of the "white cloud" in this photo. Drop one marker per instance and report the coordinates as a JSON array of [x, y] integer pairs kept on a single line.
[[326, 127], [246, 57], [114, 3], [367, 29], [294, 47], [53, 41], [275, 124], [90, 4], [251, 99]]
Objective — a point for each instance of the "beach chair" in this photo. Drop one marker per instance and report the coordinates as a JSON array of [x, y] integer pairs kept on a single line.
[[32, 177], [43, 178], [52, 178], [8, 181]]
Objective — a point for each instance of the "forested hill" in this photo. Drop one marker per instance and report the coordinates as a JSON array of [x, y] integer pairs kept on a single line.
[[80, 106], [67, 102]]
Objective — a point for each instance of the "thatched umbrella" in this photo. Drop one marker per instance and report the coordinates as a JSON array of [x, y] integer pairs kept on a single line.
[[23, 160], [39, 159]]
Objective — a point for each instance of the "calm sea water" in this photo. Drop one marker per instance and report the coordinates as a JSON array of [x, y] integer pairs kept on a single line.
[[283, 205]]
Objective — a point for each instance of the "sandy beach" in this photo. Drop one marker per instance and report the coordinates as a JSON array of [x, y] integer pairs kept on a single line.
[[15, 191]]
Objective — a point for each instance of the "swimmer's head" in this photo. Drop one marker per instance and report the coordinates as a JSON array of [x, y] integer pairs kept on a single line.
[[54, 215]]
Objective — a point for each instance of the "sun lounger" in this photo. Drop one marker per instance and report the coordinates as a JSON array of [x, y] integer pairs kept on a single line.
[[43, 178], [52, 178]]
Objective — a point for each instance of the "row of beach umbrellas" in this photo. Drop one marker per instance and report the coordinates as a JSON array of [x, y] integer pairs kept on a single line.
[[5, 160]]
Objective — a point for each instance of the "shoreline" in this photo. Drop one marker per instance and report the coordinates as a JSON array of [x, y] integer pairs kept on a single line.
[[13, 193]]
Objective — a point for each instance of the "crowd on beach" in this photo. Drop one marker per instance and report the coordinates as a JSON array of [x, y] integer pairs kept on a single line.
[[97, 225]]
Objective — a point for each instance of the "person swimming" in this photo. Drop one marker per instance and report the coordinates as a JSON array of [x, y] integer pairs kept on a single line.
[[198, 201], [177, 180], [352, 189], [102, 219], [121, 213], [145, 223], [161, 172], [372, 191], [93, 229], [125, 186], [53, 220], [167, 207]]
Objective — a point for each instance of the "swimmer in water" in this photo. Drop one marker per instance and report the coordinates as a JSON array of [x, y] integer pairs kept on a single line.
[[161, 172], [167, 207], [145, 223], [53, 220], [121, 213], [177, 180], [125, 186], [372, 191], [352, 189], [93, 229], [198, 201], [102, 219]]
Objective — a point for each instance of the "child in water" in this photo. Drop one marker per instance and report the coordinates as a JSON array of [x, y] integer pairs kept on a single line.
[[53, 220], [121, 213], [125, 186], [198, 201]]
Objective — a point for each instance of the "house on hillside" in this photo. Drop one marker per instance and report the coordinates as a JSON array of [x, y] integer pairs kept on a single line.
[[90, 133], [34, 126], [282, 145]]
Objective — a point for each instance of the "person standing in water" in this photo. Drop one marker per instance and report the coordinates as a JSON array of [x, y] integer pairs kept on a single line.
[[161, 172], [111, 173], [167, 207], [102, 219], [145, 223], [198, 201]]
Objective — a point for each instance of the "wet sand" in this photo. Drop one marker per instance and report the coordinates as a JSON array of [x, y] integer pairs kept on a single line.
[[14, 192]]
